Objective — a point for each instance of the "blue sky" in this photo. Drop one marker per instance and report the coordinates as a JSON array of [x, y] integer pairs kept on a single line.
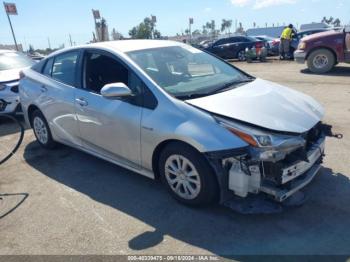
[[56, 19]]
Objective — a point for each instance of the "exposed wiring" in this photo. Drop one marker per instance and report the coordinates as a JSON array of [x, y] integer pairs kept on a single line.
[[14, 150]]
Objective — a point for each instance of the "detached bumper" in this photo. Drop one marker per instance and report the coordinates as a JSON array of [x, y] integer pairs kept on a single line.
[[300, 56]]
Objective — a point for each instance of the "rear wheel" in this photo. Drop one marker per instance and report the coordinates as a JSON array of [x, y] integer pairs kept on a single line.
[[321, 61], [187, 175], [41, 130], [241, 55]]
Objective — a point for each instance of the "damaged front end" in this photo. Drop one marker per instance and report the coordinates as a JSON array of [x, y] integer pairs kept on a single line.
[[275, 165]]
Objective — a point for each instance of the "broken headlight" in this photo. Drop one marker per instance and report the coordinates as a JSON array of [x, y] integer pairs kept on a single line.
[[261, 140]]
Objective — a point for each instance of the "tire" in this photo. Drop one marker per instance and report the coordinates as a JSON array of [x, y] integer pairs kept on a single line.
[[241, 55], [321, 61], [42, 130], [202, 181]]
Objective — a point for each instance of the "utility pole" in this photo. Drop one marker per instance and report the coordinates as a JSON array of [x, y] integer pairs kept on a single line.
[[190, 28], [48, 41], [70, 40], [11, 9]]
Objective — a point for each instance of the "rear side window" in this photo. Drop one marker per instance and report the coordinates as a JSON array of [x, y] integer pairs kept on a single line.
[[48, 68], [64, 68]]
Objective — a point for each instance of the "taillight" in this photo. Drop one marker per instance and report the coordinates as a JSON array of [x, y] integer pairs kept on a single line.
[[21, 75]]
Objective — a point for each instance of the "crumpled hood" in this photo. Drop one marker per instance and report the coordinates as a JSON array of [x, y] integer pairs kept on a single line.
[[10, 75], [265, 104]]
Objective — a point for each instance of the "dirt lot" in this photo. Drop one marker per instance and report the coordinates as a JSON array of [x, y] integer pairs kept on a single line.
[[73, 203]]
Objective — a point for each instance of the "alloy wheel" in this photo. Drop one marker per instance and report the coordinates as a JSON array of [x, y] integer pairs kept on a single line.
[[40, 130], [182, 177]]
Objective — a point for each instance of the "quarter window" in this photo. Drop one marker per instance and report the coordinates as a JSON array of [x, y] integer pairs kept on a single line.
[[64, 68]]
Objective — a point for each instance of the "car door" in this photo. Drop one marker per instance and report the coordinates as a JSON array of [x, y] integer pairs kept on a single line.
[[109, 127], [57, 84], [219, 48]]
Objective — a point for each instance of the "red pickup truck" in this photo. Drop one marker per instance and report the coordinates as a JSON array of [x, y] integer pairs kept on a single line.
[[323, 51]]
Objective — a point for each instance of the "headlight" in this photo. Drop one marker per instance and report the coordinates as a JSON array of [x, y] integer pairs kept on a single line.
[[259, 138], [302, 46], [2, 87]]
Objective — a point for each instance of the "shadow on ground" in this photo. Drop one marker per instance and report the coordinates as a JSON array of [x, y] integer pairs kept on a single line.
[[336, 71], [9, 127], [321, 226]]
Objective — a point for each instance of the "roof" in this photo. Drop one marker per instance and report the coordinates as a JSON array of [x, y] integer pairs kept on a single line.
[[134, 45]]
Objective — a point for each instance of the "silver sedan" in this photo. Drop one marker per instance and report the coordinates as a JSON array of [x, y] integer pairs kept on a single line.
[[166, 110]]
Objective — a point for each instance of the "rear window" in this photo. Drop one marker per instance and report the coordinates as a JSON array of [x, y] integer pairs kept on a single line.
[[13, 60]]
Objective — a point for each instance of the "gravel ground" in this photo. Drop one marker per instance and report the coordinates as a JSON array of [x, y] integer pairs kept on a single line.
[[68, 202]]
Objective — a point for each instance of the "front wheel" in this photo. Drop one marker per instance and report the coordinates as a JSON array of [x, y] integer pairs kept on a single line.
[[321, 61], [187, 175]]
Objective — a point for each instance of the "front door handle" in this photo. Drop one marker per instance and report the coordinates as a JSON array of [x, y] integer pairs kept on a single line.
[[81, 101]]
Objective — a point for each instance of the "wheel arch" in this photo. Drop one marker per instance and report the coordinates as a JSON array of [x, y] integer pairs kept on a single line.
[[30, 112], [322, 47], [158, 150]]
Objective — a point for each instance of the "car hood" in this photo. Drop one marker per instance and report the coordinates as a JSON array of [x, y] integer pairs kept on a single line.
[[10, 75], [265, 104]]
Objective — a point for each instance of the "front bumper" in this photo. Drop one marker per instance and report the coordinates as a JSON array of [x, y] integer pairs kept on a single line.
[[9, 99], [300, 56]]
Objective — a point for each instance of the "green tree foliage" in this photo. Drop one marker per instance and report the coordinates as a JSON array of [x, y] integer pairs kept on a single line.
[[145, 30]]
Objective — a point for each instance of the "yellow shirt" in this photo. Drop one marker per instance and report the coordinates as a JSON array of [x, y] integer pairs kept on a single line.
[[287, 33]]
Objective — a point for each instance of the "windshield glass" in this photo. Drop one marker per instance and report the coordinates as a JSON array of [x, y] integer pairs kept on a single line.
[[12, 60], [186, 71]]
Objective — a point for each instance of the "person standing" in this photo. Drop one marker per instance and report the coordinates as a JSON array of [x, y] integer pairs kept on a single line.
[[286, 40]]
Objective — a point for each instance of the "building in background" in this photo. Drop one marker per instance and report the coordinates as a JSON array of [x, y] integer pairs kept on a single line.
[[313, 26], [12, 47], [268, 31]]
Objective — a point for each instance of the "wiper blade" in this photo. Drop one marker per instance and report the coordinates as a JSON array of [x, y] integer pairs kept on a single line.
[[230, 85]]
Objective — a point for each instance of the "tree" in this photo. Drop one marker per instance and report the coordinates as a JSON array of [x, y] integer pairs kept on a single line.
[[145, 30], [196, 32], [226, 25], [331, 21], [31, 49], [240, 29]]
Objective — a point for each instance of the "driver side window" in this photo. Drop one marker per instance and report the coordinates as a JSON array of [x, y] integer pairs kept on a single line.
[[100, 70]]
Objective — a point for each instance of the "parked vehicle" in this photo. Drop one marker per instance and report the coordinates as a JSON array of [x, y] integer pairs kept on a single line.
[[324, 50], [300, 35], [167, 110], [271, 44], [11, 63], [233, 47]]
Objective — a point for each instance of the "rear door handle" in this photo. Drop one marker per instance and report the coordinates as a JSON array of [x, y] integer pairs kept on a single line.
[[81, 101]]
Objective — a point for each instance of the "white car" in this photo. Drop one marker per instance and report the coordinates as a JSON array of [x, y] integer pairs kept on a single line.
[[167, 110], [11, 64]]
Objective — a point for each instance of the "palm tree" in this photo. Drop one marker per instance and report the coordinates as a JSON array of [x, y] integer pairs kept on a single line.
[[226, 25]]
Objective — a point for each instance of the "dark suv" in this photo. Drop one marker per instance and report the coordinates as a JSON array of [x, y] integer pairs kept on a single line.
[[233, 47]]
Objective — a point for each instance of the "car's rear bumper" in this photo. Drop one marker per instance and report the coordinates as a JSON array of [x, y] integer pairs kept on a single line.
[[300, 56]]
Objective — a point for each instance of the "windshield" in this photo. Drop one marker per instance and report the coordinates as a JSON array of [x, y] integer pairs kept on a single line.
[[12, 60], [187, 71]]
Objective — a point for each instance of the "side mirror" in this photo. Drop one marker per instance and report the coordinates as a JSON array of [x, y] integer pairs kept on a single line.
[[115, 90]]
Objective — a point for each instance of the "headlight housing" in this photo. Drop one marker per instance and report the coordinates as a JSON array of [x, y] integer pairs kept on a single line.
[[2, 87], [302, 46], [259, 138]]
